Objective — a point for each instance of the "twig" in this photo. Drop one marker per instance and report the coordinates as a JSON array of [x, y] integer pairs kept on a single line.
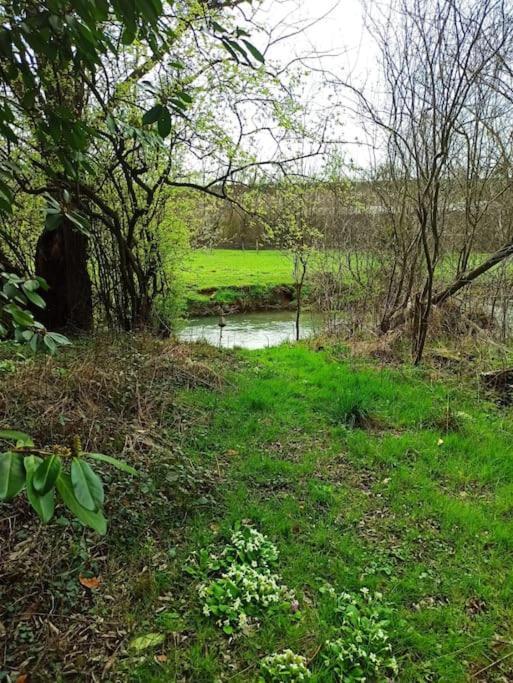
[[495, 663]]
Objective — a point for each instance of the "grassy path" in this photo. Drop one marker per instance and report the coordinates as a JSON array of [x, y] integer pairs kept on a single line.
[[363, 478]]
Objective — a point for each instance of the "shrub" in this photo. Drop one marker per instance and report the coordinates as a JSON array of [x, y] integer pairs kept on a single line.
[[45, 473]]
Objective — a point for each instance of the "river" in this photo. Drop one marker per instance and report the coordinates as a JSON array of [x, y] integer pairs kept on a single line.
[[250, 330]]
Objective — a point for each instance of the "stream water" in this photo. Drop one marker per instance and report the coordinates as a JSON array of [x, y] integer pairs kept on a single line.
[[250, 330]]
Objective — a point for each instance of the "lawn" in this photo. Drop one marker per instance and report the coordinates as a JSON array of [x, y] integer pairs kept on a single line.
[[214, 268], [363, 477]]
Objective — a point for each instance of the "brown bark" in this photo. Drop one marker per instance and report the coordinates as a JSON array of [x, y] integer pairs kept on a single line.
[[61, 258], [466, 278]]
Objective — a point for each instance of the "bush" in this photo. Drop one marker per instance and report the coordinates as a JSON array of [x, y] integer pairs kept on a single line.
[[44, 473]]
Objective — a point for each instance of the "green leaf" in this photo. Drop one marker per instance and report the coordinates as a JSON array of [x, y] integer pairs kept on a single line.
[[34, 297], [253, 50], [31, 285], [46, 474], [128, 35], [20, 317], [80, 222], [153, 115], [227, 47], [147, 641], [43, 283], [184, 96], [52, 221], [94, 520], [87, 485], [43, 504], [220, 29], [115, 462], [12, 475], [164, 124], [50, 344], [20, 438], [34, 342], [59, 338]]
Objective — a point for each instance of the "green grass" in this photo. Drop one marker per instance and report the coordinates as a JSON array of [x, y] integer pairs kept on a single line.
[[363, 477], [217, 268], [235, 268]]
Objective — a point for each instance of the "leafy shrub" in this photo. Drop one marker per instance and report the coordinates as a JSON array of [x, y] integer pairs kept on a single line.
[[362, 651], [284, 666], [43, 474], [16, 295]]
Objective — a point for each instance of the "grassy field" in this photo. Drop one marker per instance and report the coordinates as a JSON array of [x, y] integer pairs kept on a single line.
[[234, 268], [364, 478], [215, 268]]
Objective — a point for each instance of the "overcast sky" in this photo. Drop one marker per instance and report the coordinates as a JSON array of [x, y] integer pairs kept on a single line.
[[337, 30]]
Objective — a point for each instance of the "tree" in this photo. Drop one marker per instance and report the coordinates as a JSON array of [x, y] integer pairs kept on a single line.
[[287, 210], [66, 68], [440, 60]]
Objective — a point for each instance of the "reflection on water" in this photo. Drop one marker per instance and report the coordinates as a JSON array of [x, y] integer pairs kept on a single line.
[[250, 330]]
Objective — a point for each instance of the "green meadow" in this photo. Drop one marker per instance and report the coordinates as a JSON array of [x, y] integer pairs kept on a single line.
[[363, 477], [216, 268]]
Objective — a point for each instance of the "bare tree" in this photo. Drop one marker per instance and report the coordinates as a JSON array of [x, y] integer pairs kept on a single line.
[[437, 59]]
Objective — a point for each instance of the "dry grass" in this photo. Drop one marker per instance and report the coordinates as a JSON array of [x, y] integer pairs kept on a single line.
[[100, 389], [119, 396]]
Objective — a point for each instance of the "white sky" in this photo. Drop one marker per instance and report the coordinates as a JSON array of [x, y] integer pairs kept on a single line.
[[339, 34]]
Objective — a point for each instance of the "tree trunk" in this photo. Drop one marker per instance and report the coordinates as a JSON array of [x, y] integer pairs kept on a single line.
[[61, 258], [300, 263]]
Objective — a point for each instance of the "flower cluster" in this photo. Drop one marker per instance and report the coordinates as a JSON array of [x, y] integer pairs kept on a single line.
[[251, 547], [285, 666], [242, 586], [362, 650]]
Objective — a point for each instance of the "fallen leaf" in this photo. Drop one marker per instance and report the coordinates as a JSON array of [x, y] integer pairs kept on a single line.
[[161, 658], [91, 583], [22, 678], [147, 641], [231, 452]]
